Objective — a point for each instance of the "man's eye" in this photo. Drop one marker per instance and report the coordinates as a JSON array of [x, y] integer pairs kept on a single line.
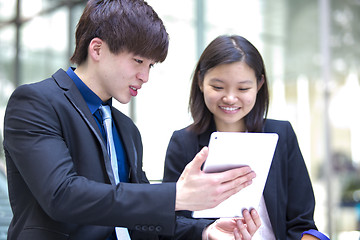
[[138, 60]]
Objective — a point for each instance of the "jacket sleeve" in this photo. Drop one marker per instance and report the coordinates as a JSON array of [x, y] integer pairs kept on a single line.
[[189, 229], [301, 200], [35, 144]]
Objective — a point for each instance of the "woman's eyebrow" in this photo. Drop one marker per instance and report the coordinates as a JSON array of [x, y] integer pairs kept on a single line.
[[245, 81], [215, 79]]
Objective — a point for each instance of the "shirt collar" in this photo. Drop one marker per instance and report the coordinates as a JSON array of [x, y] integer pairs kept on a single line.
[[92, 100]]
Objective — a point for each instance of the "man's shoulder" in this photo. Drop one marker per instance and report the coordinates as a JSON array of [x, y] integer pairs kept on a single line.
[[45, 82]]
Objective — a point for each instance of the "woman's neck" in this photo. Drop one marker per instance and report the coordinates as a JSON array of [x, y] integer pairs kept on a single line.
[[223, 127]]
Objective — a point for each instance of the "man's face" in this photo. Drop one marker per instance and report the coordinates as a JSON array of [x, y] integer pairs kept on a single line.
[[121, 75]]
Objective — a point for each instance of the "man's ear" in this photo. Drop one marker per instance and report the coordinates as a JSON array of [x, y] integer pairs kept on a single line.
[[259, 85], [95, 46]]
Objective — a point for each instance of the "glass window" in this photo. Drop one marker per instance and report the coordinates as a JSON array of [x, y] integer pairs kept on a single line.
[[7, 69], [7, 10], [31, 8], [44, 45], [7, 54], [232, 18], [161, 106]]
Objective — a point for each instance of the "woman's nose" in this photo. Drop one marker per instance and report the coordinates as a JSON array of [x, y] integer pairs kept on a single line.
[[230, 98]]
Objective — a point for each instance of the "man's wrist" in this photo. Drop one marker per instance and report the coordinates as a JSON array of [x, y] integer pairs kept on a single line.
[[205, 234], [207, 230]]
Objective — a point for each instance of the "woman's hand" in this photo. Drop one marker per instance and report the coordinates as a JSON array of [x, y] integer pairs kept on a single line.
[[234, 228]]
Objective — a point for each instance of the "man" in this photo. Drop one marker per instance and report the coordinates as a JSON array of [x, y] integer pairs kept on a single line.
[[62, 184]]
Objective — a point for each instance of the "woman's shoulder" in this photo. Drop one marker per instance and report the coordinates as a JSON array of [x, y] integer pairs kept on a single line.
[[282, 127], [185, 141], [276, 125], [185, 132]]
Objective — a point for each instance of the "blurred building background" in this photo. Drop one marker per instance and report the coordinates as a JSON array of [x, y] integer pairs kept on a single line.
[[311, 51]]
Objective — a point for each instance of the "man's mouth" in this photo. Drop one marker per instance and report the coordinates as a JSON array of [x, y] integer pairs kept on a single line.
[[133, 91]]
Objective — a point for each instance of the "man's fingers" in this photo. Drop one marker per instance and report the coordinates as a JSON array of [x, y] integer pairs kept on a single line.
[[199, 159], [232, 174], [229, 188], [198, 191], [235, 185]]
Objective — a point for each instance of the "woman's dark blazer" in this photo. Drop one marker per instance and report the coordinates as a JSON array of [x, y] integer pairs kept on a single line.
[[60, 180], [288, 192]]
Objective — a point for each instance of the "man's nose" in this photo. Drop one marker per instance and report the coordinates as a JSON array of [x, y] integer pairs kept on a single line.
[[144, 76]]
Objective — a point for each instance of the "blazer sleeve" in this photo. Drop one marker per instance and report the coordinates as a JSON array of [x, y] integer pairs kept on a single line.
[[189, 228], [44, 168], [301, 200]]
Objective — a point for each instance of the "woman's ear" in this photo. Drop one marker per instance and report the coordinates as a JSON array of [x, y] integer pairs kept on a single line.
[[259, 85], [201, 87], [200, 83], [95, 46]]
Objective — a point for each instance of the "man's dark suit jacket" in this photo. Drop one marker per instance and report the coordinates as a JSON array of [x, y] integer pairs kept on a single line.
[[288, 192], [60, 180]]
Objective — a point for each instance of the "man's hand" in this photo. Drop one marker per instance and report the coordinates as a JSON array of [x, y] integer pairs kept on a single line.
[[196, 190], [234, 228]]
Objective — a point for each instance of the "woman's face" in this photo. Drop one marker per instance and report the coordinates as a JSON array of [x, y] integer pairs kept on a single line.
[[230, 93]]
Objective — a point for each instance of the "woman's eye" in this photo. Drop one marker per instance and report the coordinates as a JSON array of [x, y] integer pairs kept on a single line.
[[244, 89], [217, 88]]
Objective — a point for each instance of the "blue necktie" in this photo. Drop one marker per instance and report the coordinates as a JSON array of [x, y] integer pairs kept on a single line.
[[121, 233]]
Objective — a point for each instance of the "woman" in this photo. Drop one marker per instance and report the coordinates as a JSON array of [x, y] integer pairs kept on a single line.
[[229, 93]]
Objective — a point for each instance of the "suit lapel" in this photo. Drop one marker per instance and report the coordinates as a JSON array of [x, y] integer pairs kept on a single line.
[[75, 98]]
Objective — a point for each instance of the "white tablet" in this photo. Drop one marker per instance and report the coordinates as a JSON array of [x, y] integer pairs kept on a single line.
[[229, 150]]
